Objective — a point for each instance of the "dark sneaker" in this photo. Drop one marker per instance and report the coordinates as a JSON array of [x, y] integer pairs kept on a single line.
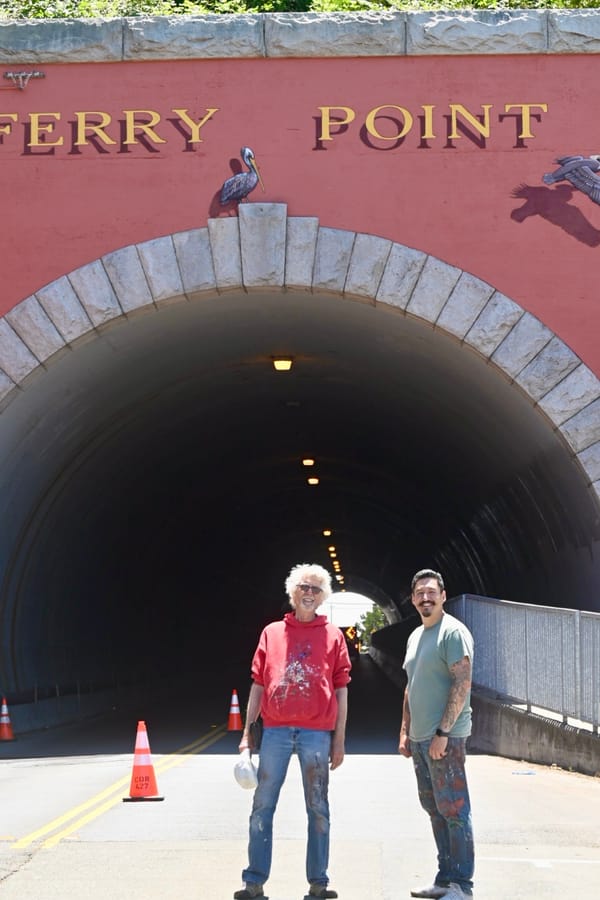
[[250, 891], [321, 890]]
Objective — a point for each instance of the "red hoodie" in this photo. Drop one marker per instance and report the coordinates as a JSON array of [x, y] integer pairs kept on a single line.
[[300, 665]]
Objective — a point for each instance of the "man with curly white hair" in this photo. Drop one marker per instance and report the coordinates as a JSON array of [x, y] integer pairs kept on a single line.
[[300, 672]]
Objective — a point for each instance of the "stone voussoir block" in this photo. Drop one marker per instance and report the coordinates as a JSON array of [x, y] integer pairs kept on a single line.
[[528, 337], [435, 284], [590, 460], [262, 243], [7, 385], [95, 292], [301, 246], [332, 258], [580, 388], [16, 359], [367, 265], [162, 270], [402, 271], [124, 268], [497, 318], [63, 307], [31, 322], [464, 304], [583, 429], [224, 236], [192, 249], [545, 370]]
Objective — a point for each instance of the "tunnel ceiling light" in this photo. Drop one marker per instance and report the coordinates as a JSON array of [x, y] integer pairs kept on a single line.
[[312, 481], [332, 554], [282, 363], [327, 532], [330, 548], [308, 461], [339, 577]]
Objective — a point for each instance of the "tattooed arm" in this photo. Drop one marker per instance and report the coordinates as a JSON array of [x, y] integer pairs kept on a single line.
[[460, 673], [404, 742]]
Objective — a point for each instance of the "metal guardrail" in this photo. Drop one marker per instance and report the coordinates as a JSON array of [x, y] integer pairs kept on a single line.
[[537, 655]]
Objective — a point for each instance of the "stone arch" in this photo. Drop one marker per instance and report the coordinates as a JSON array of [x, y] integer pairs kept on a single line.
[[264, 249]]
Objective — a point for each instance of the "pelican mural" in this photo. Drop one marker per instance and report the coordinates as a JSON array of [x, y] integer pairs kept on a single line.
[[580, 171], [237, 188]]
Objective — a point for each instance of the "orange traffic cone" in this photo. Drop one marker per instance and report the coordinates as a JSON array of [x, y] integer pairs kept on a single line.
[[235, 717], [143, 781], [6, 732]]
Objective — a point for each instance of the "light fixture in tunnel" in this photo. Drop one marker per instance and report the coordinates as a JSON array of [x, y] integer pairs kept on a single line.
[[282, 363], [308, 461], [332, 554], [327, 532], [331, 547], [312, 480]]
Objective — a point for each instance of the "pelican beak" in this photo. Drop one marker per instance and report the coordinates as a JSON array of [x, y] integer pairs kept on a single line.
[[255, 167]]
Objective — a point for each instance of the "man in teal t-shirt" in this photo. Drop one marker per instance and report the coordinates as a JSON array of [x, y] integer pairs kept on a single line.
[[436, 721]]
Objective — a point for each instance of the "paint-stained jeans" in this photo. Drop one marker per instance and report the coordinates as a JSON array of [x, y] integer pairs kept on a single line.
[[444, 795], [277, 747]]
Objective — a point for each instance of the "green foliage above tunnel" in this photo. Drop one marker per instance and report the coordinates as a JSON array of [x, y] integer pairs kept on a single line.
[[76, 9]]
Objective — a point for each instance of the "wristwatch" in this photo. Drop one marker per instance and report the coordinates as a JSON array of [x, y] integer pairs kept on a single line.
[[440, 733]]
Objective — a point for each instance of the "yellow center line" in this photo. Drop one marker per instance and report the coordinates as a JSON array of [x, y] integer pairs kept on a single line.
[[162, 765]]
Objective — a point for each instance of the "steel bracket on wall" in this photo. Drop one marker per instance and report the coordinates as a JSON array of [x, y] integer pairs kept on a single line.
[[21, 79]]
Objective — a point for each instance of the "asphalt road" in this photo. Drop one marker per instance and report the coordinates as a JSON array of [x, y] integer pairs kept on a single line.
[[66, 833]]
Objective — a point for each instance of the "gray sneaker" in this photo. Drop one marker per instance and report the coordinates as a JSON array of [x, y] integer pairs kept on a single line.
[[433, 890], [249, 891], [455, 892]]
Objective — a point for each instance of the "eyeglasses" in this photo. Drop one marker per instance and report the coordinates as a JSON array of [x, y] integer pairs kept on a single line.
[[313, 588]]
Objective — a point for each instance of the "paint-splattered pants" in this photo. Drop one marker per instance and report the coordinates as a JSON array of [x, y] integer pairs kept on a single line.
[[277, 747], [444, 795]]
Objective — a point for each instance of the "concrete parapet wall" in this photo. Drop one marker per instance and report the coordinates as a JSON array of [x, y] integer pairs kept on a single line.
[[503, 730], [300, 35]]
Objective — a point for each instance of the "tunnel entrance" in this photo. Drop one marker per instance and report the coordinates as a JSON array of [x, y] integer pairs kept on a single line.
[[155, 499]]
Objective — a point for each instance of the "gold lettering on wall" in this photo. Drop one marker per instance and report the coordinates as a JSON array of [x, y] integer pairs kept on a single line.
[[327, 121], [195, 126], [147, 130], [6, 128], [406, 118], [133, 124], [526, 108], [94, 128], [38, 127]]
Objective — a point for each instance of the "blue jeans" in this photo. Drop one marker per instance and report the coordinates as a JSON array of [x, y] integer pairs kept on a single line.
[[276, 749], [444, 795]]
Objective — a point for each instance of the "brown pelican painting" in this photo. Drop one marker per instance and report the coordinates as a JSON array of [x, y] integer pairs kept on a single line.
[[237, 188], [580, 171]]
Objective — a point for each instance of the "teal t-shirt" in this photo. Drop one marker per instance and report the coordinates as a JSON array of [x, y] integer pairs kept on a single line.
[[429, 654]]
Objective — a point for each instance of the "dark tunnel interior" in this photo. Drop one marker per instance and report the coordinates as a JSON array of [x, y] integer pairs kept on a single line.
[[153, 495]]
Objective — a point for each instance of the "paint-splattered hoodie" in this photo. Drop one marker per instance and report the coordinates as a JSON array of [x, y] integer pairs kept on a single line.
[[300, 665]]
